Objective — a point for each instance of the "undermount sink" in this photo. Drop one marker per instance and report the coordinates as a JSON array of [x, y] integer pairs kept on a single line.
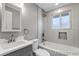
[[11, 45]]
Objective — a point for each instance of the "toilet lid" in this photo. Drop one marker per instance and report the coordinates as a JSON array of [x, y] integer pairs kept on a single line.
[[42, 52]]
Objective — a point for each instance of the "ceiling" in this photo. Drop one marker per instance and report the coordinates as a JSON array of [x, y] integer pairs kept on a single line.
[[50, 6]]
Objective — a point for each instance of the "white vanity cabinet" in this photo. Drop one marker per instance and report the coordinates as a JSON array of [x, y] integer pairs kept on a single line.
[[11, 18], [26, 51]]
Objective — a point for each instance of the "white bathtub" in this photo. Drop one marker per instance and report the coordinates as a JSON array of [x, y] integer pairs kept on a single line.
[[56, 49]]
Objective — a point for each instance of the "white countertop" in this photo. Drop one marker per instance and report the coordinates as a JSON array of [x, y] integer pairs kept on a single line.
[[8, 50]]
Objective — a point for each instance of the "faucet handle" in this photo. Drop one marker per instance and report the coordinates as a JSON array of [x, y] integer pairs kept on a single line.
[[12, 35], [12, 38]]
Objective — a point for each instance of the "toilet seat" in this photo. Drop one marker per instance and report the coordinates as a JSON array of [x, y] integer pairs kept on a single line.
[[41, 52]]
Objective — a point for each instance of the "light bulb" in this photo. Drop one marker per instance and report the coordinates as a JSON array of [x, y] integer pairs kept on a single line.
[[56, 4]]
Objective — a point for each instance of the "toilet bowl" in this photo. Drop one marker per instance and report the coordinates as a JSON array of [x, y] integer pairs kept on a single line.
[[39, 52]]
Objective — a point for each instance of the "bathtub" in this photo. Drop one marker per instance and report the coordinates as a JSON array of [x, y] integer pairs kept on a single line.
[[56, 49]]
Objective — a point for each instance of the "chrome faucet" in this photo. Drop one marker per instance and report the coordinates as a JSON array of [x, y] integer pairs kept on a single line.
[[11, 39]]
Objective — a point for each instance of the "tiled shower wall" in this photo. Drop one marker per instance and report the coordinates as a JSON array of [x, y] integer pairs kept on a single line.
[[72, 33]]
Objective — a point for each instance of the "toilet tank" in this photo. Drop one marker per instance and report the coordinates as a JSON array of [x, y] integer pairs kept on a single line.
[[35, 44]]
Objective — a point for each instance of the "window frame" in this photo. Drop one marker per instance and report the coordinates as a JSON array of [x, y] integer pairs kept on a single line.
[[69, 12]]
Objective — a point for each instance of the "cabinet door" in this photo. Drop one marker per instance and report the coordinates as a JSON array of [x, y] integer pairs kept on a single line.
[[26, 51], [8, 20], [16, 20]]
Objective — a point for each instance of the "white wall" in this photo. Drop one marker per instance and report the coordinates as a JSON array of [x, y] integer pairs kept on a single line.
[[29, 20], [32, 20], [40, 24], [72, 34]]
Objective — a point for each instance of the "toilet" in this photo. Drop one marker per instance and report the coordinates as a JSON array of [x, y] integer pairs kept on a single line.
[[39, 52]]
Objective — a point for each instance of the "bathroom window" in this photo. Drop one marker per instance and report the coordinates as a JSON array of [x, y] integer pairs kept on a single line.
[[61, 21], [56, 21]]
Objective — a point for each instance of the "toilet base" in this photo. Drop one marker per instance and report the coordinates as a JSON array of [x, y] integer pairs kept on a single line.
[[34, 54], [41, 52]]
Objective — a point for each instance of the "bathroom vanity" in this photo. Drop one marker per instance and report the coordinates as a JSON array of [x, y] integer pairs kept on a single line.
[[10, 16], [19, 48], [25, 51]]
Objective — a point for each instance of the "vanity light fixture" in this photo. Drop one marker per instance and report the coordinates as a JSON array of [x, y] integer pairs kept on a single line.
[[19, 4], [56, 4], [59, 10]]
